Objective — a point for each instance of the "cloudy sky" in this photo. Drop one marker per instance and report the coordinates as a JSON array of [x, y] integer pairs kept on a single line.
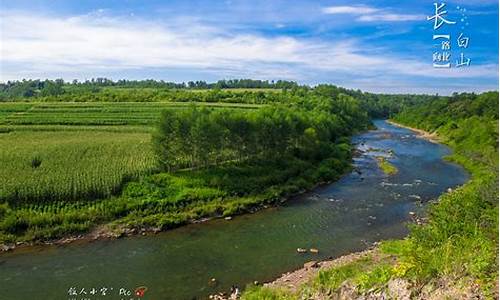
[[382, 46]]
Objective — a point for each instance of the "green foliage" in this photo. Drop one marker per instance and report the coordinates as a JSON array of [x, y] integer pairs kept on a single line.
[[363, 273], [36, 88], [461, 236], [332, 279], [93, 114], [30, 88], [394, 247], [265, 293], [376, 105], [83, 164], [375, 278], [168, 200], [226, 91], [200, 137], [459, 240]]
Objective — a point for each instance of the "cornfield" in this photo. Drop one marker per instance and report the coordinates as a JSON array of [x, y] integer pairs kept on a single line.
[[48, 166], [76, 151]]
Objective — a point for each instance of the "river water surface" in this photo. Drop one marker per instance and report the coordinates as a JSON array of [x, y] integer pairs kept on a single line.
[[339, 218]]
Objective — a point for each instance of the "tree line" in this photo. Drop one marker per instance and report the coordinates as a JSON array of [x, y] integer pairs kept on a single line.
[[202, 137], [250, 91], [41, 88]]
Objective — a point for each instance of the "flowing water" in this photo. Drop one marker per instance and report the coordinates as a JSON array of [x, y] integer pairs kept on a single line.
[[362, 207]]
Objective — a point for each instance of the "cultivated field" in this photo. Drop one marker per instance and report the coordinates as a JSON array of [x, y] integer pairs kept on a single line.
[[71, 151]]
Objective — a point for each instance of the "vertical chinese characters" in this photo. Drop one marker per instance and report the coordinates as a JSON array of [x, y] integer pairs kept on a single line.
[[442, 58], [463, 40]]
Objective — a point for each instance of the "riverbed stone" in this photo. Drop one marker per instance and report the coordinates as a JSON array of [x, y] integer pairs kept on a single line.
[[311, 265], [398, 289]]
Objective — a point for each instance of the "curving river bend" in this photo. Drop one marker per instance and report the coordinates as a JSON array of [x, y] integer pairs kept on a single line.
[[339, 218]]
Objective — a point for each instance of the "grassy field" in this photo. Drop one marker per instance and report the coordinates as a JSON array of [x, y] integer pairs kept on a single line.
[[61, 162], [62, 165]]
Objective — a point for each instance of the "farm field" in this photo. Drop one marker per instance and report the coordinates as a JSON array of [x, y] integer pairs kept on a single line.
[[66, 151], [70, 166], [94, 113]]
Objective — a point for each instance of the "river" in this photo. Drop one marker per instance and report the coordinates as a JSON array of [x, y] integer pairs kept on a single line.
[[342, 217]]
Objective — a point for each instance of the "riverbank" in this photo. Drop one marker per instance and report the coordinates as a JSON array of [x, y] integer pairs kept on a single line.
[[292, 281], [293, 187], [430, 136], [367, 274], [336, 219], [451, 255]]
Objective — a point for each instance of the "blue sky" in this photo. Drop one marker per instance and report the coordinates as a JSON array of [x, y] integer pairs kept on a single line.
[[377, 46]]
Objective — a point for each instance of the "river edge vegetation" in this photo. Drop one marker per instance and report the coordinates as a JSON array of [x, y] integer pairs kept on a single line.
[[386, 166], [70, 167], [454, 254], [100, 153]]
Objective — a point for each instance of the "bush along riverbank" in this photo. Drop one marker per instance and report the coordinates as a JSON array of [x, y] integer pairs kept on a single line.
[[210, 163], [454, 254]]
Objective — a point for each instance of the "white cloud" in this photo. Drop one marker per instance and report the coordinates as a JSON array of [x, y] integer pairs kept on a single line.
[[91, 44], [387, 17], [371, 14], [357, 10], [88, 42]]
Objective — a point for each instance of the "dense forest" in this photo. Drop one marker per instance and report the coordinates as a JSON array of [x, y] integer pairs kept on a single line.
[[200, 138]]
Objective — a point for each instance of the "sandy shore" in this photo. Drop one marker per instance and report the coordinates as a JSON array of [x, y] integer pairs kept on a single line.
[[430, 136]]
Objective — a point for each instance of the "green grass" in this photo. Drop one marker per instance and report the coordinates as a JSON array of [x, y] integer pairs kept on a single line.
[[265, 293], [386, 166], [364, 273], [331, 279]]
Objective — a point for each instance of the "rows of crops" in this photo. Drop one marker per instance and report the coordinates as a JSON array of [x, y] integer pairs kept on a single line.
[[94, 114], [47, 166], [76, 151]]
